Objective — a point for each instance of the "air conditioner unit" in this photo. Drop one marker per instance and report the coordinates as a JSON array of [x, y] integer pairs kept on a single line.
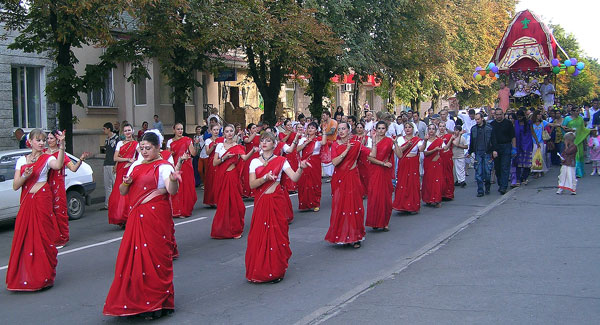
[[347, 87]]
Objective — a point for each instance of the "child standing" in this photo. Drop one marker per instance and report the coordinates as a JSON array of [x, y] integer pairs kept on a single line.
[[567, 180], [458, 155], [594, 144]]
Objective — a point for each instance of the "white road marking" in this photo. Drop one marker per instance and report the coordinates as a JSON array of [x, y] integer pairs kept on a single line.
[[119, 238]]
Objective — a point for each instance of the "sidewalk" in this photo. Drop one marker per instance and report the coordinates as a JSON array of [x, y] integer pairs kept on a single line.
[[534, 259]]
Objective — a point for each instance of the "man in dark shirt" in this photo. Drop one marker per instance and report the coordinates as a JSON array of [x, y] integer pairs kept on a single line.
[[110, 145], [503, 142], [20, 136], [481, 146]]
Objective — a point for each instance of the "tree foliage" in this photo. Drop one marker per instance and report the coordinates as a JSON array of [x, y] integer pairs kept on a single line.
[[584, 87], [278, 37], [56, 27]]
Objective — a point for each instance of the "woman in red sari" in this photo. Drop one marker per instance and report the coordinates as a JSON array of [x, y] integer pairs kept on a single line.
[[347, 223], [363, 164], [288, 136], [447, 162], [432, 166], [250, 141], [56, 179], [125, 155], [309, 185], [32, 262], [143, 282], [228, 221], [183, 202], [210, 144], [379, 204], [268, 249], [407, 197]]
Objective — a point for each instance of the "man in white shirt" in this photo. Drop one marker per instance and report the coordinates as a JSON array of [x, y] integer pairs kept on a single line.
[[588, 113], [468, 120], [449, 122], [547, 90], [369, 122]]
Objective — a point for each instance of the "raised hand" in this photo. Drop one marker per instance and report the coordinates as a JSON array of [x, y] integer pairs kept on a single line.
[[27, 172], [127, 180], [85, 155], [176, 176]]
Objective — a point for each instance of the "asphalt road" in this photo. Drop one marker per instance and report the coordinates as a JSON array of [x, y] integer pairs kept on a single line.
[[210, 286]]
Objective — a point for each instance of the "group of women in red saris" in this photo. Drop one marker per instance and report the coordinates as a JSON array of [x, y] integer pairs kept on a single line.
[[154, 189]]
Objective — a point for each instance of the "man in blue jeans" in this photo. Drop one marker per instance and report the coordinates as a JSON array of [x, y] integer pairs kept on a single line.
[[503, 142], [481, 147]]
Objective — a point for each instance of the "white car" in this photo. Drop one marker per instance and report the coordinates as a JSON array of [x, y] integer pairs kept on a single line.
[[79, 185]]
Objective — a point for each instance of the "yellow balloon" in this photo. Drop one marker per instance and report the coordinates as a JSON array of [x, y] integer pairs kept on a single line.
[[562, 72], [478, 77], [571, 69]]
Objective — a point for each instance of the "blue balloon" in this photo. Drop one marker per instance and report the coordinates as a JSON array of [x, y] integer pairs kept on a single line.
[[555, 62], [478, 69], [580, 65], [475, 75], [573, 61], [495, 69], [568, 63], [491, 65]]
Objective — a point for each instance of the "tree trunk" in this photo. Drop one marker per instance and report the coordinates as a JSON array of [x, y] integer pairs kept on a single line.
[[179, 110], [319, 81], [65, 109], [355, 107]]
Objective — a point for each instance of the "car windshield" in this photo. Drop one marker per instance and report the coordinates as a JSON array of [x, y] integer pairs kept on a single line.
[[7, 166]]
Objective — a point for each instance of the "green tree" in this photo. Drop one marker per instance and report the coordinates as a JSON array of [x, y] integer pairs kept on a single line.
[[277, 37], [56, 27], [185, 36]]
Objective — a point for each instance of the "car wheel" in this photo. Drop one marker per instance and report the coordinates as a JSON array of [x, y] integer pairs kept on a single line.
[[75, 205]]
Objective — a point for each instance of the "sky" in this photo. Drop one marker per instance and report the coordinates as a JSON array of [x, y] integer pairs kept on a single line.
[[577, 17]]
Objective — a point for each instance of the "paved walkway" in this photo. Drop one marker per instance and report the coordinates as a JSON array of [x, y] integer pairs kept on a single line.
[[533, 259]]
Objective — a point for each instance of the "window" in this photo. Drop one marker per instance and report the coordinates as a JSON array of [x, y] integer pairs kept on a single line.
[[139, 90], [104, 96], [7, 166], [26, 95]]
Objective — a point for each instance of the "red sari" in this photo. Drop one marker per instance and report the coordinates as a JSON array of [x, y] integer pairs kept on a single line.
[[379, 204], [143, 279], [32, 262], [183, 202], [309, 184], [246, 191], [363, 163], [288, 202], [268, 249], [448, 170], [433, 176], [407, 196], [292, 159], [228, 221], [56, 179], [118, 204], [209, 191], [347, 212]]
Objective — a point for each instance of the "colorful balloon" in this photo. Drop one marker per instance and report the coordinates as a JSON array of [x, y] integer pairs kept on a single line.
[[576, 73], [478, 69], [555, 62], [580, 65], [482, 73], [475, 75], [573, 61], [568, 63], [571, 69], [495, 69], [478, 77], [491, 65], [556, 70]]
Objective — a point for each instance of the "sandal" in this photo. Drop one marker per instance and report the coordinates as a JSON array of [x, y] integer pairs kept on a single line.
[[385, 229], [356, 245]]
